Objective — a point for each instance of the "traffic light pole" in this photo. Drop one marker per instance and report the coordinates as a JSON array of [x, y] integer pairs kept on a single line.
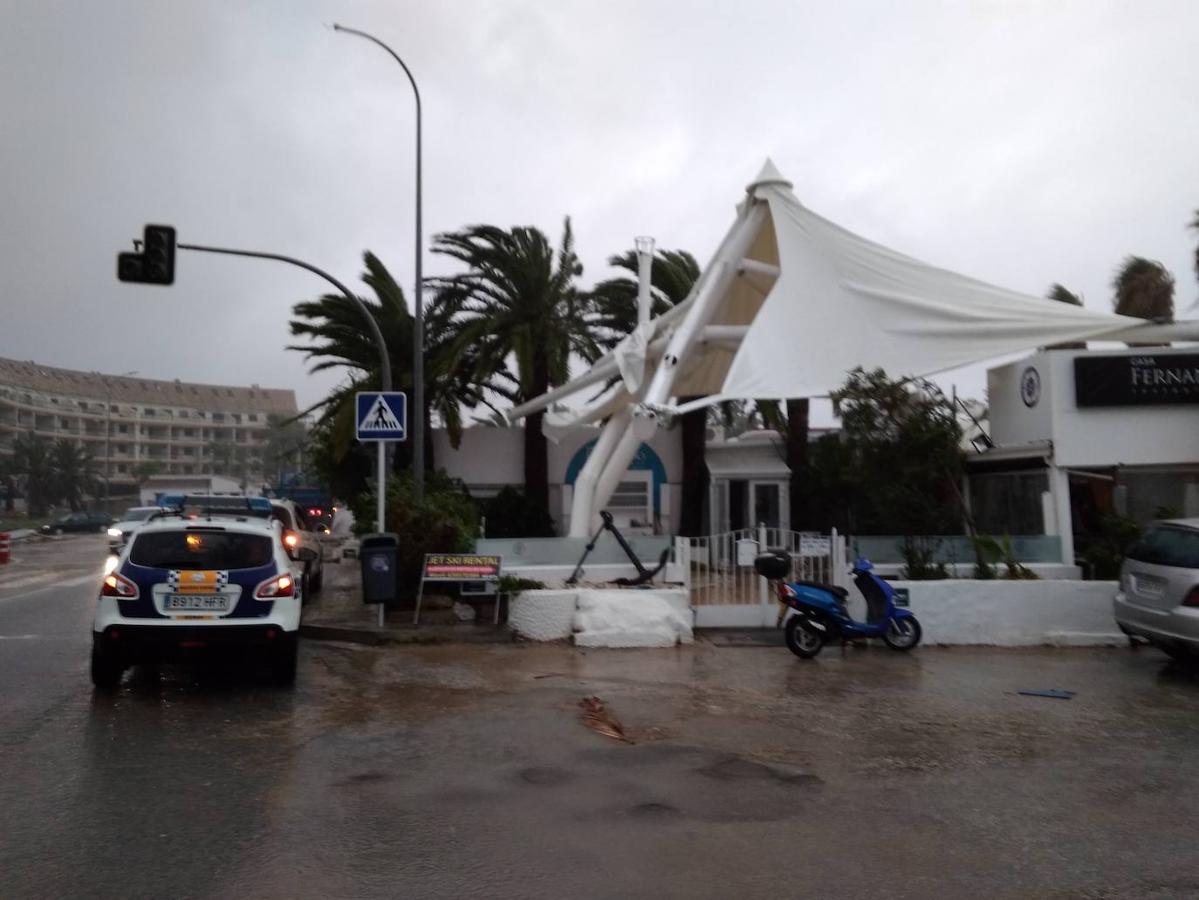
[[384, 359]]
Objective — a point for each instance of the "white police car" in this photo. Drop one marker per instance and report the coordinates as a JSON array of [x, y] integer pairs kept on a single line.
[[185, 585]]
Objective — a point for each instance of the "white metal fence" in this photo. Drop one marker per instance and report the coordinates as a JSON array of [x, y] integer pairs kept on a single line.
[[719, 574]]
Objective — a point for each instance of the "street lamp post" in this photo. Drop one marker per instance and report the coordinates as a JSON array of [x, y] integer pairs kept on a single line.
[[418, 339]]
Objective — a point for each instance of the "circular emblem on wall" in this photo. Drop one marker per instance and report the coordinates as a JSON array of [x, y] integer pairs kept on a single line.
[[1030, 386]]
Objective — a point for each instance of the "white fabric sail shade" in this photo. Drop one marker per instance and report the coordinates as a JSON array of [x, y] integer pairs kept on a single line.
[[812, 301]]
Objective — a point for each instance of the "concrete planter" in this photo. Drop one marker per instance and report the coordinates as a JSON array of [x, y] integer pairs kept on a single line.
[[543, 615], [597, 617]]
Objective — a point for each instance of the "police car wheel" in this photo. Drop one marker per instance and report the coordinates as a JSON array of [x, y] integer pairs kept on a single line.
[[106, 668], [283, 665]]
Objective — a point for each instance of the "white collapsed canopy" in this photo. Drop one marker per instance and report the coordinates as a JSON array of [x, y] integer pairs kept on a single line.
[[840, 301], [791, 303]]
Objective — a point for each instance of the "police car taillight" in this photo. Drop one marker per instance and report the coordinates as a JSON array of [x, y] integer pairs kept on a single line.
[[279, 586], [117, 585]]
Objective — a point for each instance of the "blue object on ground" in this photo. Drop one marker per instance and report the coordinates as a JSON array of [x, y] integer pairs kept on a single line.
[[1052, 693]]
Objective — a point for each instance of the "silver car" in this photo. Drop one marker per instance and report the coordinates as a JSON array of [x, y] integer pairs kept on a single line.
[[1158, 596]]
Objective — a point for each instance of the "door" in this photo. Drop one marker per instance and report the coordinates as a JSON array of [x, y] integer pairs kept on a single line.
[[766, 506]]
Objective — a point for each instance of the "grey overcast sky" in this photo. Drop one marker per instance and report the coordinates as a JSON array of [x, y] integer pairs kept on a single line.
[[1018, 142]]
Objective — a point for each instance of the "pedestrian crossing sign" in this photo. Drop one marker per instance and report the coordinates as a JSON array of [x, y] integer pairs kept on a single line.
[[382, 416]]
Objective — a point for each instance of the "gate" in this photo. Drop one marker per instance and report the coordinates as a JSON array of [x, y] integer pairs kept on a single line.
[[724, 588]]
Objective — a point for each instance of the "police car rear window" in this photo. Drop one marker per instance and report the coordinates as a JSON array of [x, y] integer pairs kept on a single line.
[[200, 549]]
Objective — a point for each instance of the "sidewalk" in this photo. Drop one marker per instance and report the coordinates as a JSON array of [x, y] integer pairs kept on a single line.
[[337, 613]]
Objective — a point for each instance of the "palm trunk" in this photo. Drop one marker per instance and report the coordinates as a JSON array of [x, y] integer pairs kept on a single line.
[[695, 472], [797, 461], [537, 486], [429, 462]]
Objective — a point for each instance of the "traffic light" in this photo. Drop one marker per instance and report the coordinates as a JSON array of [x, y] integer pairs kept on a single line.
[[155, 264]]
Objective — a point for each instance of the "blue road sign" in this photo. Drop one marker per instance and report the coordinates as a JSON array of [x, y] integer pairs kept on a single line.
[[382, 416]]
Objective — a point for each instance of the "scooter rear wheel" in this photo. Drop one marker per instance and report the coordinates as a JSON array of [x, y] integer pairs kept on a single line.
[[802, 639], [902, 634]]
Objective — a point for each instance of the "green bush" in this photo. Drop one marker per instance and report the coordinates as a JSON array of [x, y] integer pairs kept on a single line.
[[510, 514], [445, 521], [514, 584], [918, 559], [990, 552], [1105, 551]]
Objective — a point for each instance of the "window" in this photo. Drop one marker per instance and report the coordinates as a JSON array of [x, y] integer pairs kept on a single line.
[[121, 467], [1008, 502], [201, 548], [1167, 545], [631, 495], [148, 411]]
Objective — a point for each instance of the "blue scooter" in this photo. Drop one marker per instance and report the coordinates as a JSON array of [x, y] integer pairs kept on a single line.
[[820, 612]]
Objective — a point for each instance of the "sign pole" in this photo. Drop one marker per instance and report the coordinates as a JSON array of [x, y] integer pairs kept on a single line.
[[381, 507], [382, 418]]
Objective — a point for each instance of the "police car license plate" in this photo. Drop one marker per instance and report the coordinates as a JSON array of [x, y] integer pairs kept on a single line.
[[205, 602]]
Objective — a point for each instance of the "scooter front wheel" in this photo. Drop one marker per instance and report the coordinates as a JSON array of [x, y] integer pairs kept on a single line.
[[902, 634], [803, 640]]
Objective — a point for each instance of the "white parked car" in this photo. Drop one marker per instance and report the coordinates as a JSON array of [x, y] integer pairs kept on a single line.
[[297, 534], [131, 519]]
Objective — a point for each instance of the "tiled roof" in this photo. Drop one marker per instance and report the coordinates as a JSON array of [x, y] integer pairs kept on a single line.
[[126, 389]]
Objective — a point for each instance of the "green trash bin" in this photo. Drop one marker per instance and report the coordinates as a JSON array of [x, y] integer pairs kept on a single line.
[[380, 574]]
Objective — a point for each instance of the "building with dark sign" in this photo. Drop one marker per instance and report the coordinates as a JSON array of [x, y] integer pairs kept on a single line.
[[1079, 434]]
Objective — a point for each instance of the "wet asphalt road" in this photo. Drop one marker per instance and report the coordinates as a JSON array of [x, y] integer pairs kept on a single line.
[[463, 771]]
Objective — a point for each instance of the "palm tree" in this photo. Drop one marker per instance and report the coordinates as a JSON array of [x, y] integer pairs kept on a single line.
[[1061, 294], [74, 471], [8, 479], [1144, 289], [672, 277], [32, 460], [336, 338], [517, 298]]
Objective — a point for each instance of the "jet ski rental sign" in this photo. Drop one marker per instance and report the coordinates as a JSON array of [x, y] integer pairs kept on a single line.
[[1143, 380]]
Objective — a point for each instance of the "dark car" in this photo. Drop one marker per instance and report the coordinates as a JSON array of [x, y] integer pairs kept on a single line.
[[78, 522]]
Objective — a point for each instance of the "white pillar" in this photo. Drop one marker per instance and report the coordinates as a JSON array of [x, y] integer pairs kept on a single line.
[[722, 271], [582, 508], [645, 262], [1059, 486], [614, 470]]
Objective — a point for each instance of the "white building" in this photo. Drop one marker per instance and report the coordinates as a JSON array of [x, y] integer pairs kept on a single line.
[[1080, 433], [173, 427], [748, 477]]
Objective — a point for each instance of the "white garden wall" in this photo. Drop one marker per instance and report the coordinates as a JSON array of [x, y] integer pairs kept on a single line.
[[964, 611], [1015, 613], [957, 611]]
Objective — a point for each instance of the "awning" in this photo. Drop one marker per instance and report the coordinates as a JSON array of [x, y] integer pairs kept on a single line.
[[747, 459]]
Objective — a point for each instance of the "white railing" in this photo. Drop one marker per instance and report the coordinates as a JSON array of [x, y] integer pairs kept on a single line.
[[718, 569]]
